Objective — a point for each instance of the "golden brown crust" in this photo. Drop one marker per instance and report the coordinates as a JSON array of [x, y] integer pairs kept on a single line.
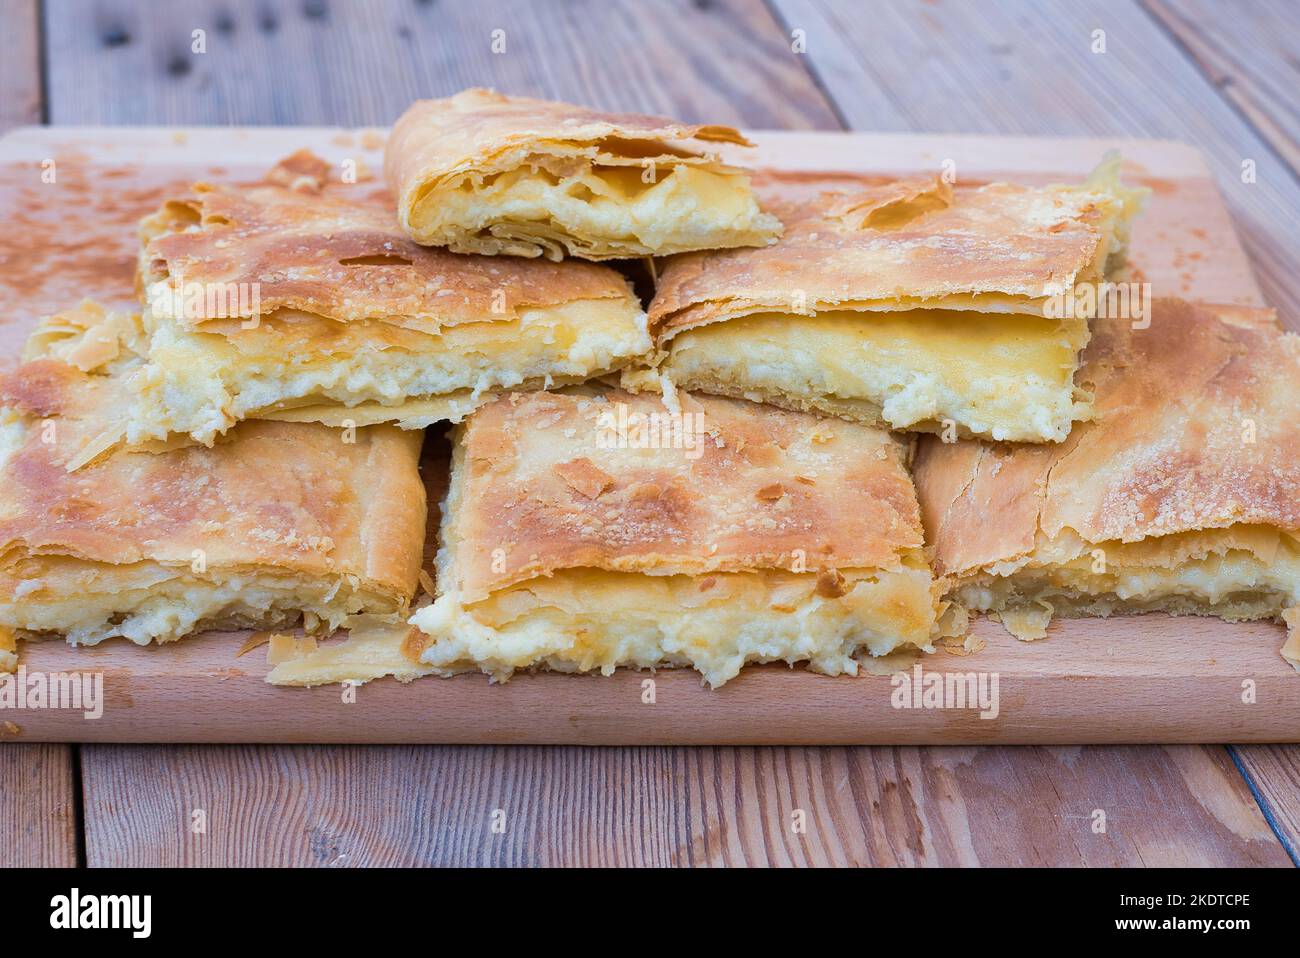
[[540, 490], [869, 207], [1000, 238], [345, 257], [489, 174], [1198, 421], [434, 138], [287, 496]]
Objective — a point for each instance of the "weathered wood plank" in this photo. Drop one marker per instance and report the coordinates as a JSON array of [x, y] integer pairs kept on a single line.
[[20, 64], [38, 804], [1248, 49], [361, 63], [661, 806], [1273, 772], [1026, 66]]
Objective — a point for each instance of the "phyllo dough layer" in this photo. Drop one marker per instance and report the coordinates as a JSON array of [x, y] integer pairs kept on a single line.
[[911, 305], [1183, 496], [292, 302], [375, 647], [485, 173], [277, 523], [775, 537]]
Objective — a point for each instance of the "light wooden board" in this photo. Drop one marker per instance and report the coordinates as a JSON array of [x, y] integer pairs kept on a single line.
[[1148, 679]]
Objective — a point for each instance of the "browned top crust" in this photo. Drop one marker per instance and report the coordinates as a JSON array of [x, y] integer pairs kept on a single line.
[[905, 243], [1198, 427], [538, 489], [345, 258], [434, 138], [270, 496], [906, 199]]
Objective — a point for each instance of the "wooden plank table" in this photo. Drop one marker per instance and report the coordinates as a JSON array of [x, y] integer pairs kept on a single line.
[[1185, 70]]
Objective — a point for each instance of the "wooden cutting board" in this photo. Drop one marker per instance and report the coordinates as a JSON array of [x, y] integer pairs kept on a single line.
[[1146, 678]]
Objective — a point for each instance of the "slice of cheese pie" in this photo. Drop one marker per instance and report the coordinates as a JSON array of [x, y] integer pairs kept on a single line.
[[912, 305], [276, 523], [374, 647], [484, 173], [1183, 496], [295, 303], [586, 532]]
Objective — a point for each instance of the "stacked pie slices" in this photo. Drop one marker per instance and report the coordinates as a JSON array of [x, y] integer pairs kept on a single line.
[[844, 420]]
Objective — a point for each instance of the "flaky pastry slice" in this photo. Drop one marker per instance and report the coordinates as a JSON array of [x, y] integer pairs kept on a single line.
[[913, 305], [1183, 496], [480, 172], [301, 302], [588, 532], [275, 524], [374, 647]]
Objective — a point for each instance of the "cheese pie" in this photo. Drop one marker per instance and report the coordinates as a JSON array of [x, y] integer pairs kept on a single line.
[[913, 305], [295, 303], [373, 646], [276, 523], [586, 532], [484, 173], [1183, 496]]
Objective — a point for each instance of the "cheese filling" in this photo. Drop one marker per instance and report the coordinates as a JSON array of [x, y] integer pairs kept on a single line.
[[1007, 377], [201, 383], [596, 208], [147, 602], [1243, 572], [582, 620]]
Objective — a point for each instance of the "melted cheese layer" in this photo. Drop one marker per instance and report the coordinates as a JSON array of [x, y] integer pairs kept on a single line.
[[1238, 573], [1003, 376], [149, 603], [583, 620], [201, 383], [605, 211]]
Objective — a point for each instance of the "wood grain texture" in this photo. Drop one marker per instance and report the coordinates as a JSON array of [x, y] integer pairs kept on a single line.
[[1250, 50], [362, 62], [1273, 772], [37, 803], [1027, 67], [665, 806], [20, 63]]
